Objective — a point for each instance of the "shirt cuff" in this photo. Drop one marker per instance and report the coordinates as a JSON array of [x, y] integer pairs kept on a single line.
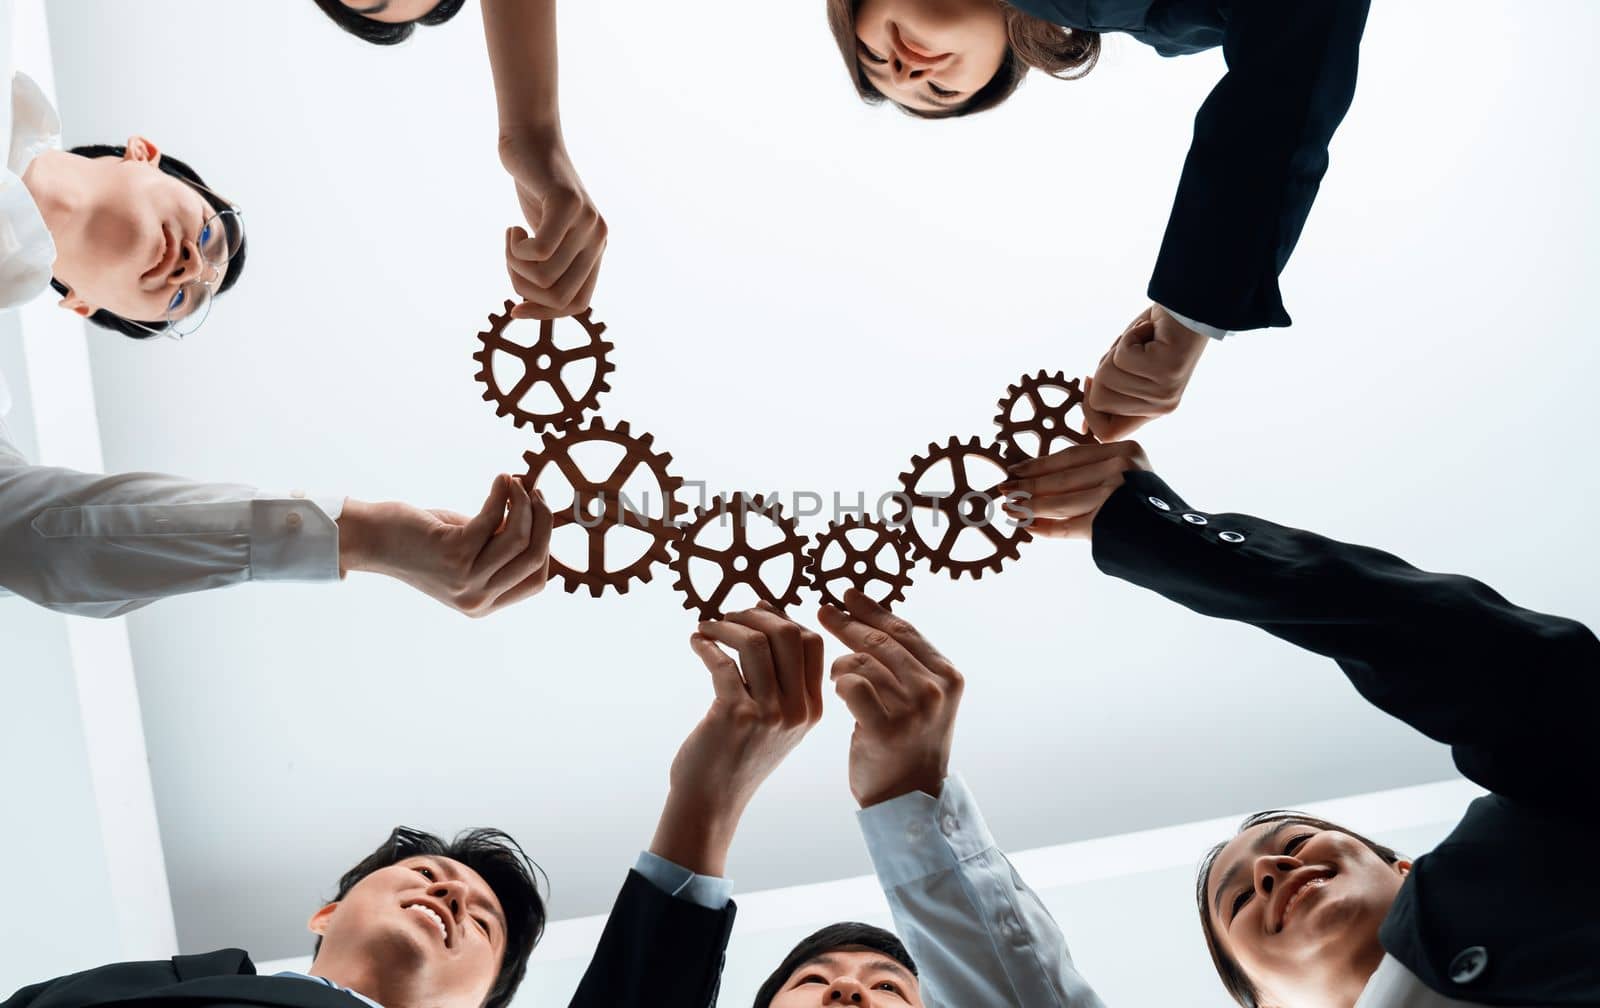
[[916, 835], [294, 538], [676, 881], [1199, 327]]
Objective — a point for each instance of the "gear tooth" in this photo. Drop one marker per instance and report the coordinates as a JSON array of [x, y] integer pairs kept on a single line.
[[621, 428]]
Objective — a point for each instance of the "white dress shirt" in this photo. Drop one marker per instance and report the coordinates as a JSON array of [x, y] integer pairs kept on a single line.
[[981, 938], [99, 545], [26, 251]]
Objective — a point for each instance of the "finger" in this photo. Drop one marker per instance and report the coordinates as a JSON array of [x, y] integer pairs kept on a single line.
[[863, 637], [886, 691], [1066, 480], [788, 658], [905, 635], [1071, 457], [1113, 427], [755, 658], [564, 291], [1109, 397], [449, 517], [534, 556], [725, 678], [813, 675], [1070, 505], [1062, 528], [560, 212], [509, 541], [532, 585], [861, 699], [543, 273], [1135, 371], [585, 294], [488, 517]]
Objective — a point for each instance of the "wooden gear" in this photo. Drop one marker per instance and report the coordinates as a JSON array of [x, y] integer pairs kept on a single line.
[[860, 566], [740, 563], [544, 362], [1049, 424], [966, 509], [599, 505]]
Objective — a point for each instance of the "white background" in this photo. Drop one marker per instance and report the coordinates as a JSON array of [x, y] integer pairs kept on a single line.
[[804, 292]]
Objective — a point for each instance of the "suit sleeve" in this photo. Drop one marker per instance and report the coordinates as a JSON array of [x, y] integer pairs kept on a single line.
[[1260, 150], [92, 986], [1511, 691], [657, 951]]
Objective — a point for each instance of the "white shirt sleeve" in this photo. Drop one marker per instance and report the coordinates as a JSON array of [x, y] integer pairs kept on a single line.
[[105, 545], [1197, 327], [979, 936]]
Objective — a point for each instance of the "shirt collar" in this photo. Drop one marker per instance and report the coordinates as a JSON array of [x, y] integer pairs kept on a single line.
[[328, 983], [35, 127]]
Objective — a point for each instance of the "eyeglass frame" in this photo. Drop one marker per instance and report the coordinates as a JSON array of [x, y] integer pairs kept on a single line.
[[220, 269]]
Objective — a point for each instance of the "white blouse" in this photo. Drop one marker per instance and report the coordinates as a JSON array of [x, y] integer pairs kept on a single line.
[[26, 251]]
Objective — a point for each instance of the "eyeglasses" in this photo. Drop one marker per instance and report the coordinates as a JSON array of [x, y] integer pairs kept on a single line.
[[221, 238]]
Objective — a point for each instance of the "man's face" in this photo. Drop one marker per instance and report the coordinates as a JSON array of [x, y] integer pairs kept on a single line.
[[134, 243], [391, 11], [857, 978], [431, 920]]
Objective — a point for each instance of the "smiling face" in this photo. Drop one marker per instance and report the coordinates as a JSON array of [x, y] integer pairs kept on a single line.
[[132, 239], [930, 55], [426, 926], [861, 979], [1298, 908]]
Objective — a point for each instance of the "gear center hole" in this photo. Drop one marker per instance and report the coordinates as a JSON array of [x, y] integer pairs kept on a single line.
[[543, 362], [860, 567], [740, 564]]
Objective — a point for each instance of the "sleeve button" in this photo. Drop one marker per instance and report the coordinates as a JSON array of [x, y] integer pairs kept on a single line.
[[1159, 504], [1194, 519], [1230, 537], [1469, 964], [293, 521]]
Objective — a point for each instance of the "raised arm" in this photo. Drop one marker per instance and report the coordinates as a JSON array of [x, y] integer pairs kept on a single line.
[[978, 934], [1512, 691], [664, 941], [93, 544], [556, 270]]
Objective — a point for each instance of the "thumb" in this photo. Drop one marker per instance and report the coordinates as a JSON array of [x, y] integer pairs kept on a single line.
[[516, 237], [487, 520]]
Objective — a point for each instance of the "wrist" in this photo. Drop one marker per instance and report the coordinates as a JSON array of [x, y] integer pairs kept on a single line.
[[696, 832], [531, 140], [357, 536], [930, 781]]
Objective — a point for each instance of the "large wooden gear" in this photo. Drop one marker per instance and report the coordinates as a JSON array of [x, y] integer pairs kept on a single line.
[[740, 563], [1049, 423], [837, 557], [968, 510], [544, 363]]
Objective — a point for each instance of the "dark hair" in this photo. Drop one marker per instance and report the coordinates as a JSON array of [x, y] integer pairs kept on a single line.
[[846, 936], [178, 170], [1238, 985], [502, 863], [385, 32], [1034, 43]]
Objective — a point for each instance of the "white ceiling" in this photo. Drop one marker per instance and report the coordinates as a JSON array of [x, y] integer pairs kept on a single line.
[[804, 292]]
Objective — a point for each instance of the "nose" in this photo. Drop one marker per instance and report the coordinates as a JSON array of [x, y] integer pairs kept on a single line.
[[844, 991], [452, 893], [1270, 870], [905, 68], [189, 266]]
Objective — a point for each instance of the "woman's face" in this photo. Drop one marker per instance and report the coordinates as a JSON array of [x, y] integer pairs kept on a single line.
[[930, 55], [391, 11], [1299, 908], [133, 239]]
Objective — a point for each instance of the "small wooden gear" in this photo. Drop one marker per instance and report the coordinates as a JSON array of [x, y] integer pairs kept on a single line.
[[1048, 423], [544, 363], [967, 510], [860, 565], [599, 505], [739, 562]]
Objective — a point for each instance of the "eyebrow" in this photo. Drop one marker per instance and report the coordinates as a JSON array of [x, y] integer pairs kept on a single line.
[[872, 74], [885, 965], [1268, 839], [377, 8]]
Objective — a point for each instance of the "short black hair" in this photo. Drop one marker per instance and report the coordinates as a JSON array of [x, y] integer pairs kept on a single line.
[[846, 936], [511, 874], [384, 32], [178, 170]]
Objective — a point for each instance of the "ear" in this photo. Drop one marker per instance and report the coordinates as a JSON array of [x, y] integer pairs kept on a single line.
[[318, 924], [141, 149], [1403, 867], [77, 305]]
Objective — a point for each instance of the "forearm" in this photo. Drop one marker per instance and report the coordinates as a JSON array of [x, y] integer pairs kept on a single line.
[[521, 40], [978, 934], [104, 544], [1510, 689]]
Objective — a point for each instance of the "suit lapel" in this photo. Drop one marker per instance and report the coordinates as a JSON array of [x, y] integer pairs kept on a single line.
[[246, 989]]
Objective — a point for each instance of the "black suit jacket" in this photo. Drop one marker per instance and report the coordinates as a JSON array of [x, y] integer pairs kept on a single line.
[[1506, 911], [656, 951], [1260, 140]]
